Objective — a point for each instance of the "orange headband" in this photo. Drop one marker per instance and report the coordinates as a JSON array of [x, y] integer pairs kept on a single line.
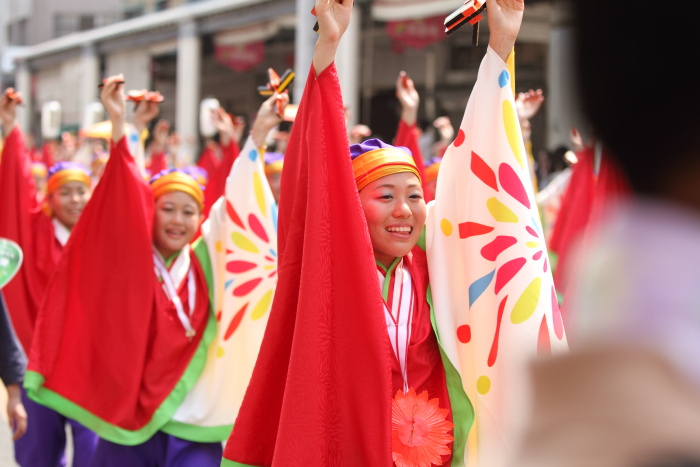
[[178, 181], [431, 172], [274, 167], [64, 176], [378, 163]]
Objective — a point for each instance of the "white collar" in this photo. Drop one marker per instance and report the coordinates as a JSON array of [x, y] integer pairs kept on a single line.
[[60, 231], [178, 269]]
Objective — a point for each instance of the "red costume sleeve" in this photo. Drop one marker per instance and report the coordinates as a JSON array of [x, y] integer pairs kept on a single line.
[[320, 393], [574, 213], [159, 161], [218, 174], [22, 221], [109, 350], [407, 136]]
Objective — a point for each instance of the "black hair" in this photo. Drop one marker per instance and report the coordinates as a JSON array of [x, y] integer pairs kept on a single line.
[[636, 85]]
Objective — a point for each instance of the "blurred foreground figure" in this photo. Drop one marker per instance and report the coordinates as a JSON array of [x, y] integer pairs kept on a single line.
[[632, 396]]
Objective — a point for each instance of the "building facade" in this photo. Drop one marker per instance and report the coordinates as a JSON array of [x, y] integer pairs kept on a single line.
[[223, 48]]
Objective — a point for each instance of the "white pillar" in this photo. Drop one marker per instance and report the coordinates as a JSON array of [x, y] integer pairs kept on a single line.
[[23, 82], [4, 35], [304, 45], [89, 79], [563, 107], [348, 64], [187, 87]]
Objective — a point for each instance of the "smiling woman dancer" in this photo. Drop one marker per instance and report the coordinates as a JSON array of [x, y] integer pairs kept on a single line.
[[352, 370]]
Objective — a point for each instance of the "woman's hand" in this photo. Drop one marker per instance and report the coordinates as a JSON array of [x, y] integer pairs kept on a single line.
[[224, 125], [8, 109], [114, 101], [145, 111], [16, 413], [408, 97], [504, 18], [333, 19], [528, 103], [268, 117]]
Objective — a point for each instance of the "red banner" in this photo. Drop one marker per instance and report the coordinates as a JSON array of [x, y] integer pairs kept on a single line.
[[240, 57], [417, 33]]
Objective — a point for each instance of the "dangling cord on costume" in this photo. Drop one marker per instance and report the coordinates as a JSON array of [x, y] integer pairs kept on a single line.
[[171, 292], [399, 324]]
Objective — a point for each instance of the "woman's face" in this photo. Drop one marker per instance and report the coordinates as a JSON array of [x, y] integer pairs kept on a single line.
[[67, 202], [274, 180], [395, 211], [176, 220]]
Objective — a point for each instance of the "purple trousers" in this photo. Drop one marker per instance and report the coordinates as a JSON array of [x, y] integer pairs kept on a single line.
[[44, 443], [161, 450]]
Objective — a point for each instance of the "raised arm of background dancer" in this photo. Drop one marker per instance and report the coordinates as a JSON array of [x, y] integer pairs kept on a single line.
[[267, 118], [504, 19], [8, 110], [158, 149], [408, 98], [333, 20], [17, 190], [407, 134], [114, 101], [223, 121]]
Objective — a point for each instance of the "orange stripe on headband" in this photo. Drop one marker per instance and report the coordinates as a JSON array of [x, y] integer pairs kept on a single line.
[[431, 172], [379, 163], [274, 167], [64, 176], [178, 181]]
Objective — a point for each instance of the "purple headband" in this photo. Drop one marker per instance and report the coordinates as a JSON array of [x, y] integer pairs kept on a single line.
[[186, 170], [64, 165], [373, 144]]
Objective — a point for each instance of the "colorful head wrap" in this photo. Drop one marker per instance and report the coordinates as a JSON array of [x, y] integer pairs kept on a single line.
[[64, 172], [374, 159], [200, 174], [431, 169], [274, 161], [39, 169], [170, 180]]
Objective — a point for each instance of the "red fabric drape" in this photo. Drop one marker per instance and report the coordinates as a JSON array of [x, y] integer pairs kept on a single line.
[[217, 171], [22, 221], [159, 161], [574, 213], [320, 393]]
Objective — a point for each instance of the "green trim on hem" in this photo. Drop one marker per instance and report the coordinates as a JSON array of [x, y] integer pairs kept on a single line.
[[198, 434], [34, 384], [228, 463], [462, 408]]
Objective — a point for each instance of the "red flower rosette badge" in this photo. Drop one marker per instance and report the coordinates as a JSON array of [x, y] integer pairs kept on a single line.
[[420, 431]]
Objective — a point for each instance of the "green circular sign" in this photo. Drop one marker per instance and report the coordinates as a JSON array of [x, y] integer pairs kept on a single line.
[[10, 260]]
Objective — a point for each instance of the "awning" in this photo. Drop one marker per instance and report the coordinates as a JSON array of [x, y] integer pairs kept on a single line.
[[396, 10]]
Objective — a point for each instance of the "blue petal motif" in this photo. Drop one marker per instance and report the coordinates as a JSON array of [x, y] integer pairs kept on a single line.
[[253, 155], [504, 78], [479, 286], [274, 210], [536, 225], [273, 252], [227, 284]]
